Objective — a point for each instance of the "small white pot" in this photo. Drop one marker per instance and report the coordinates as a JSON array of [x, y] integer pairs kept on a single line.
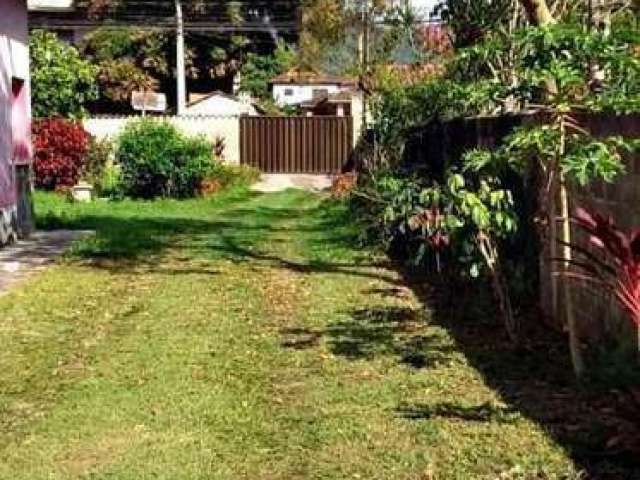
[[82, 192]]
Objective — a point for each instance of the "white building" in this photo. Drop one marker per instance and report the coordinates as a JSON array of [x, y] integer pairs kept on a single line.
[[294, 88], [50, 5], [221, 104]]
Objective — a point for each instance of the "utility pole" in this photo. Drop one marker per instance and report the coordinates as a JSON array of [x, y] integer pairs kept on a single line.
[[364, 52], [180, 70]]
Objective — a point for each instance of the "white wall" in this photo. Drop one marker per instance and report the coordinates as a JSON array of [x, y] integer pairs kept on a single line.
[[210, 127], [50, 5], [301, 93]]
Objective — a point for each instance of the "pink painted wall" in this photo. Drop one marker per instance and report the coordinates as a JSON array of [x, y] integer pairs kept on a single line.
[[15, 115]]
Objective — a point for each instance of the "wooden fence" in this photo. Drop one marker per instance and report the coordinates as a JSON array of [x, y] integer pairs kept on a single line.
[[296, 144]]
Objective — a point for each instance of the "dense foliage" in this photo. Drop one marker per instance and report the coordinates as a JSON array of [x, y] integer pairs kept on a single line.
[[464, 214], [159, 161], [258, 70], [504, 74], [130, 60], [60, 149], [61, 81]]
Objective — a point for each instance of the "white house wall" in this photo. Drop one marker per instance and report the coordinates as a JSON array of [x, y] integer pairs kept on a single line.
[[301, 93], [50, 5]]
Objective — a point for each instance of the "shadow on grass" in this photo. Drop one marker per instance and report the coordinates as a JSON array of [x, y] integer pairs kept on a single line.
[[485, 412], [367, 333], [133, 236], [599, 429]]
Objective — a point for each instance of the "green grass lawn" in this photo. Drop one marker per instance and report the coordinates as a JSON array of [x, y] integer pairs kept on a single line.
[[244, 336]]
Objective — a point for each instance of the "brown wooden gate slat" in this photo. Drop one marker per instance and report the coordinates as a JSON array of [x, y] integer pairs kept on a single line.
[[296, 144]]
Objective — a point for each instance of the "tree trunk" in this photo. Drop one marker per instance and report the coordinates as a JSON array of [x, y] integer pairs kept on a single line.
[[500, 289], [538, 12], [574, 340]]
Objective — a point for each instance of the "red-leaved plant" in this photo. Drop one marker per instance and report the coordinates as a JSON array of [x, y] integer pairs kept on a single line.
[[617, 267], [60, 149]]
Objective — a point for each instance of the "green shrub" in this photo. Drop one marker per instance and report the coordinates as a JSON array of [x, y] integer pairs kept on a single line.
[[157, 160], [232, 175], [110, 182], [99, 155]]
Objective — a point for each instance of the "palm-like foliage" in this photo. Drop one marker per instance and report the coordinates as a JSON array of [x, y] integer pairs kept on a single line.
[[615, 264]]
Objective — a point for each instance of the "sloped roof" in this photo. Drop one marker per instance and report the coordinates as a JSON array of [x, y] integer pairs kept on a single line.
[[207, 96], [338, 97], [247, 105], [295, 77]]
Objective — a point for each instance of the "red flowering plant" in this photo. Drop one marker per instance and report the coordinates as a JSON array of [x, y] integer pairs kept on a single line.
[[612, 262], [60, 149]]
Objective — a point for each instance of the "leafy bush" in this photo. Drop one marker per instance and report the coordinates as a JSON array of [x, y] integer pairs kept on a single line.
[[99, 155], [157, 160], [61, 81], [100, 169], [400, 108], [110, 182], [455, 226], [234, 175], [60, 152], [223, 176]]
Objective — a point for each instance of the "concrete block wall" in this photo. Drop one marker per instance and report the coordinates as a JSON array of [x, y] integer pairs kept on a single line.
[[621, 200], [597, 313]]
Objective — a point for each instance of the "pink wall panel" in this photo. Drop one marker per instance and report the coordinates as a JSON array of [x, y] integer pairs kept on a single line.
[[15, 114]]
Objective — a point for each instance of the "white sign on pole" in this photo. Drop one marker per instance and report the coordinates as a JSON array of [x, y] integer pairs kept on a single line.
[[149, 101]]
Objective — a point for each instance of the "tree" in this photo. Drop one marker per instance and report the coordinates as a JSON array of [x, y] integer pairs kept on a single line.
[[324, 25], [128, 60], [258, 70], [336, 36], [61, 81], [471, 20], [564, 151]]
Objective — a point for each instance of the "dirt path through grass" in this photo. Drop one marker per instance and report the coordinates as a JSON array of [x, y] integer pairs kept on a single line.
[[245, 337]]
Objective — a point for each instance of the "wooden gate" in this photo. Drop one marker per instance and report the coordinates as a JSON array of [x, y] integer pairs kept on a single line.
[[296, 144]]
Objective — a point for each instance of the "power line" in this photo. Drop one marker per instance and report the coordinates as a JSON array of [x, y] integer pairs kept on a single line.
[[169, 24]]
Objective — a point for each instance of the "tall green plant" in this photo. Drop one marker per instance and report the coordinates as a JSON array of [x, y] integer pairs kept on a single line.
[[457, 224], [475, 218], [61, 81]]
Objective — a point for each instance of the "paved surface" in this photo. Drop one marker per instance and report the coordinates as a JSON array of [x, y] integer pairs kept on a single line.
[[27, 256], [282, 181]]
